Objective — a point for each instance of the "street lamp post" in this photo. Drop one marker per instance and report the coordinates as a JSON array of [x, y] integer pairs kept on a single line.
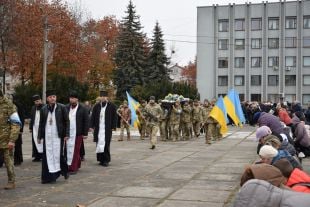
[[45, 59]]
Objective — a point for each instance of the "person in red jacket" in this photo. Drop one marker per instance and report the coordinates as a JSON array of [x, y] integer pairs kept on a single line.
[[283, 116], [297, 179]]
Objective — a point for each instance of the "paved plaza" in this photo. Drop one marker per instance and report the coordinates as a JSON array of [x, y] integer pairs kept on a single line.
[[184, 173]]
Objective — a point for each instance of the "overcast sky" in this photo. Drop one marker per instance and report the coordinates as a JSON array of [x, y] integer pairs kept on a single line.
[[177, 19]]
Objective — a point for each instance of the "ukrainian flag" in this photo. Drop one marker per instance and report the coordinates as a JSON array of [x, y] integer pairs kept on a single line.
[[233, 107], [218, 112], [133, 106]]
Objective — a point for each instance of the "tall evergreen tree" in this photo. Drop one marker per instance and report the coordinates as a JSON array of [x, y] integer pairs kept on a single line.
[[158, 60], [130, 55]]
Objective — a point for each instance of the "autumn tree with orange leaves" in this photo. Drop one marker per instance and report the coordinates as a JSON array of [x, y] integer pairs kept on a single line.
[[190, 73]]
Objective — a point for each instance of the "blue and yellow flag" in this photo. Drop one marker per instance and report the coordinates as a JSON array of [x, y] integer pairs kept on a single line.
[[233, 107], [133, 106], [218, 112]]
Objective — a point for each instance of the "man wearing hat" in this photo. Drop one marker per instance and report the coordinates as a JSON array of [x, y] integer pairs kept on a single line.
[[54, 131], [78, 116], [153, 112], [103, 121], [37, 149]]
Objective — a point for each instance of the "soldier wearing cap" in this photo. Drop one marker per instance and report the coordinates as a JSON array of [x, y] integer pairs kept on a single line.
[[54, 131], [8, 135], [37, 149], [142, 120], [153, 112], [103, 121], [124, 114]]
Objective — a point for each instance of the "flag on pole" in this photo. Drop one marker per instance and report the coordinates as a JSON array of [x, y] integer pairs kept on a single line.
[[133, 106], [233, 107], [218, 112]]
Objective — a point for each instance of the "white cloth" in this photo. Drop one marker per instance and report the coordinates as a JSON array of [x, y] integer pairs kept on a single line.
[[52, 143], [35, 130], [101, 133], [71, 140]]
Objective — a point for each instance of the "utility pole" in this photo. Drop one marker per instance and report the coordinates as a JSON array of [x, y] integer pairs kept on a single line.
[[45, 59]]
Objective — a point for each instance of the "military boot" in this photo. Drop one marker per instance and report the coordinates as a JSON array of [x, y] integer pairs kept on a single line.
[[9, 186], [128, 137]]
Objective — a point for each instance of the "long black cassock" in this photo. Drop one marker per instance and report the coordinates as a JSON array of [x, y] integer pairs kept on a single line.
[[103, 121], [37, 148], [54, 126]]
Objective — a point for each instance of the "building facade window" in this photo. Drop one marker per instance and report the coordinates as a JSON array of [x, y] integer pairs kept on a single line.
[[223, 44], [290, 42], [223, 62], [256, 43], [256, 62], [256, 80], [239, 80], [306, 42], [306, 80], [290, 61], [306, 61], [273, 43], [256, 97], [239, 44], [290, 23], [305, 99], [223, 80], [273, 80], [239, 24], [223, 25], [239, 62], [290, 80], [241, 96], [273, 61], [256, 24], [273, 23], [306, 22]]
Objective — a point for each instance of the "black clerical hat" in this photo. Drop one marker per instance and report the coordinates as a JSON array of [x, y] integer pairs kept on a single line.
[[104, 93], [50, 92], [73, 94], [36, 97]]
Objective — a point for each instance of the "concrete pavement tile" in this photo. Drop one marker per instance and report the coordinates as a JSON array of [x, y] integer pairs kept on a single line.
[[211, 185], [177, 203], [124, 202], [144, 192], [164, 174], [223, 170], [200, 195], [218, 177], [157, 182]]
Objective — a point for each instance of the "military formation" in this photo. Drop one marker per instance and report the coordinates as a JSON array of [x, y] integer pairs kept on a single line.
[[178, 121]]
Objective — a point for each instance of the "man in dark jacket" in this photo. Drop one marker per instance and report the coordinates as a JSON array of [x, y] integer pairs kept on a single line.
[[78, 116], [103, 121], [54, 131], [37, 149]]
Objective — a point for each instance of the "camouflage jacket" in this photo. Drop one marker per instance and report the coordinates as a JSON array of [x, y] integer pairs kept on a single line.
[[197, 114], [152, 114], [141, 113], [175, 116], [8, 132], [187, 114], [205, 113]]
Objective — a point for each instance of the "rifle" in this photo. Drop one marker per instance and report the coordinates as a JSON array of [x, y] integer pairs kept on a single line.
[[120, 115], [152, 116]]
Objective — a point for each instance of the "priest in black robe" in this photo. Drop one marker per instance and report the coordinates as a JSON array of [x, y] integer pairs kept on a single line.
[[103, 121]]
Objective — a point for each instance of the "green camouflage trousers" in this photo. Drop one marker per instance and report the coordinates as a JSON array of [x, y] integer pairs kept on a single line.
[[163, 130], [153, 129], [124, 126], [186, 130], [175, 130], [9, 163]]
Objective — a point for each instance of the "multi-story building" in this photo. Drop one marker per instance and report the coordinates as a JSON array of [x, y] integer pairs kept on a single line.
[[261, 50], [176, 73]]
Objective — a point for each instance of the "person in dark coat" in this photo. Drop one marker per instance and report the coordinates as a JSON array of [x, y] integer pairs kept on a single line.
[[103, 121], [37, 149], [54, 132], [18, 149], [78, 116], [266, 119]]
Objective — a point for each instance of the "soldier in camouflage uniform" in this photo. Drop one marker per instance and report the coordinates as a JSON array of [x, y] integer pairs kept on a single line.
[[163, 120], [206, 109], [141, 112], [8, 135], [186, 120], [153, 112], [124, 114], [212, 125], [196, 117], [174, 120]]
